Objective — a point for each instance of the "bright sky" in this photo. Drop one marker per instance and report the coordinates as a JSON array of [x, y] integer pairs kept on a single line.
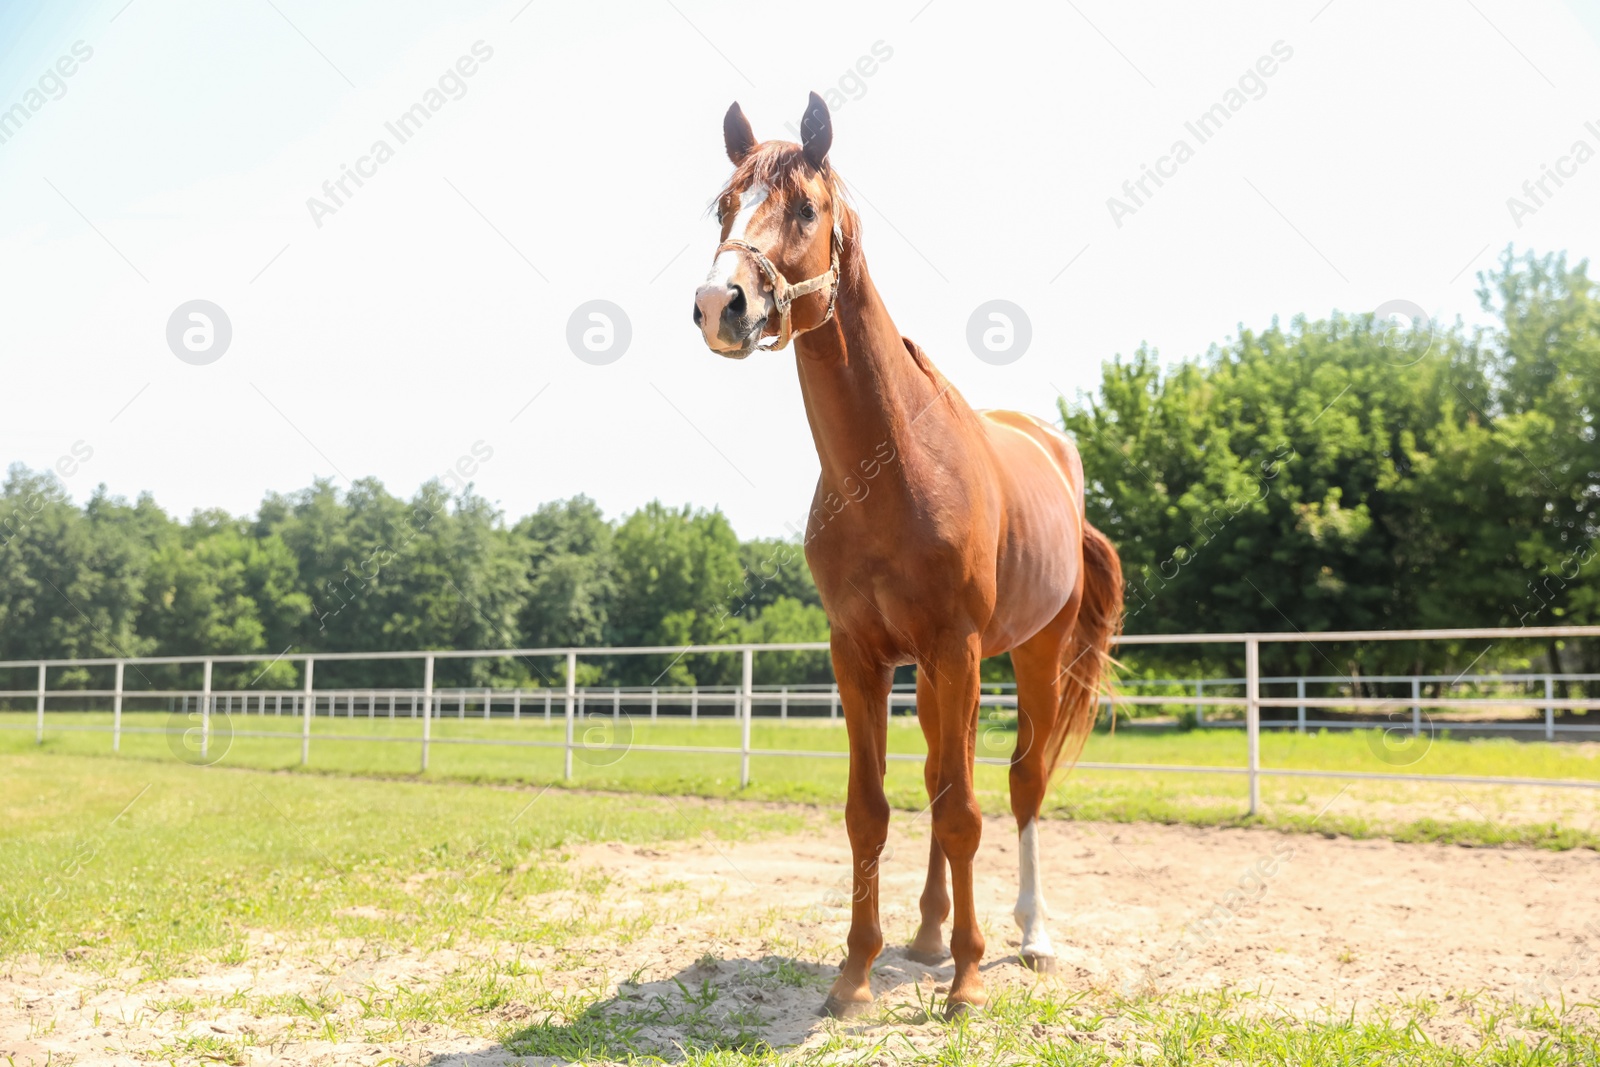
[[428, 314]]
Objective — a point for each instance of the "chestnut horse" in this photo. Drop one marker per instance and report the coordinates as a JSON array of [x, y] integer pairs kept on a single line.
[[938, 535]]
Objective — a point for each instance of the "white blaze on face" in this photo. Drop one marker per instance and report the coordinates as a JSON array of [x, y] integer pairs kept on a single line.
[[1030, 912], [722, 270]]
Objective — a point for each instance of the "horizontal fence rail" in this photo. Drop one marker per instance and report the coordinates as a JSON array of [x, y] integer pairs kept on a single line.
[[570, 703]]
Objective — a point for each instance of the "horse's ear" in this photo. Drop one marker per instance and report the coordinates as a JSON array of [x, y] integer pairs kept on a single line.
[[816, 132], [737, 135]]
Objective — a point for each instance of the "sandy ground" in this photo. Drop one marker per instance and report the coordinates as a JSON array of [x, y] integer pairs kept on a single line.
[[1316, 924]]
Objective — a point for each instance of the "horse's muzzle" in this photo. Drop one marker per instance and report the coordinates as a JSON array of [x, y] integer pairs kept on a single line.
[[727, 320]]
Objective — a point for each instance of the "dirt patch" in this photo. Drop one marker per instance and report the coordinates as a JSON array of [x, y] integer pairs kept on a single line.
[[1320, 922], [751, 933]]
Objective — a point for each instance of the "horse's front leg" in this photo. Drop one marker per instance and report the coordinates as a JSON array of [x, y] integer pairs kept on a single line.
[[928, 945], [957, 819], [864, 693]]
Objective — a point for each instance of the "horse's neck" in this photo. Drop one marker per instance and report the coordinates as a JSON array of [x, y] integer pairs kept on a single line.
[[864, 392]]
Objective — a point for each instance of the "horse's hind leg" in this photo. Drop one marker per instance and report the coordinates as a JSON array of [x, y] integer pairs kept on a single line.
[[928, 946], [1037, 663]]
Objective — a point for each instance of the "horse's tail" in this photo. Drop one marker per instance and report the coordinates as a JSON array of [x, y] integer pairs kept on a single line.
[[1088, 664]]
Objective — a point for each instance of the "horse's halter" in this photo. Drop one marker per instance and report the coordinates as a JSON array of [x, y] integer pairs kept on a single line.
[[784, 292]]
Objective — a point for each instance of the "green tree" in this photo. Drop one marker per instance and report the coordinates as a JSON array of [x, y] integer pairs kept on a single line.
[[570, 579], [387, 574], [774, 568], [70, 580], [1340, 474], [211, 587], [783, 621], [678, 574], [1547, 369]]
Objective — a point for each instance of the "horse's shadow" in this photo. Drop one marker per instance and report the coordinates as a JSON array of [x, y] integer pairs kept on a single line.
[[714, 1005]]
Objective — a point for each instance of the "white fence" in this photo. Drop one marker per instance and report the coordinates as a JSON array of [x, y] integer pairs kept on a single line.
[[1545, 703], [657, 701], [571, 702]]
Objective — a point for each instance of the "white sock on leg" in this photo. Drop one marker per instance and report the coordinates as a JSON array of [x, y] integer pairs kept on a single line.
[[1031, 912]]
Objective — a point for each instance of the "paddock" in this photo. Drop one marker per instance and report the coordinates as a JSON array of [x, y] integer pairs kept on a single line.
[[718, 939], [261, 875]]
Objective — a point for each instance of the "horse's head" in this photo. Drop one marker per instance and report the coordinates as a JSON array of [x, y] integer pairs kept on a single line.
[[784, 223]]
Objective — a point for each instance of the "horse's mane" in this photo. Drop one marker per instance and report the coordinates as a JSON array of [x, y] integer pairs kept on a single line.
[[782, 167]]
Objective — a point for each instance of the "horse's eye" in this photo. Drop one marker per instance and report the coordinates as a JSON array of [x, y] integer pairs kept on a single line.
[[808, 211]]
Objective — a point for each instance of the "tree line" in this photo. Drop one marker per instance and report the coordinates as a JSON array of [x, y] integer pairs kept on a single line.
[[1342, 473], [325, 570]]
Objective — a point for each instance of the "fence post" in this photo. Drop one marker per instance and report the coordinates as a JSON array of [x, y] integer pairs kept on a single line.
[[427, 708], [572, 688], [744, 731], [1252, 717], [694, 703], [1416, 711], [308, 709], [654, 698], [616, 705], [516, 705], [116, 712], [38, 713], [783, 703], [205, 712], [488, 702], [1549, 709], [833, 701], [1300, 691], [547, 695], [391, 705]]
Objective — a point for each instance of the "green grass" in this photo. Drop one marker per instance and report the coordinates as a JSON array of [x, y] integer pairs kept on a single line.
[[106, 861], [113, 860], [1090, 1028], [611, 760]]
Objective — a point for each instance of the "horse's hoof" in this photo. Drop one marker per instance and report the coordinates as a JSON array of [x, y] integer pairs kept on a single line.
[[834, 1008], [929, 959], [1039, 964], [958, 1009]]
